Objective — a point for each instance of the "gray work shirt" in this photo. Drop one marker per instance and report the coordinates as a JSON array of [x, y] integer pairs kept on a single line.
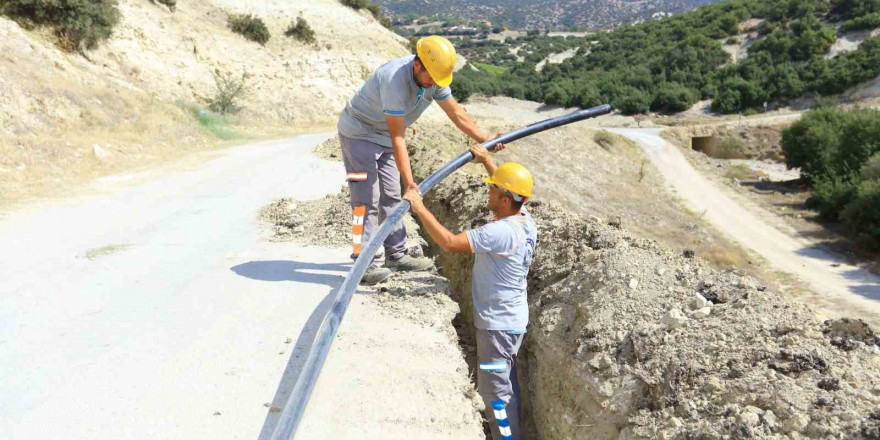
[[504, 250], [390, 90]]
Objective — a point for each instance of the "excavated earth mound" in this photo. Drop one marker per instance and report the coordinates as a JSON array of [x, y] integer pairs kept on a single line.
[[630, 340], [322, 222]]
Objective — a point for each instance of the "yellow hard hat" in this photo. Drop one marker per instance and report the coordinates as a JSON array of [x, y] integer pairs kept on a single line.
[[438, 56], [512, 177]]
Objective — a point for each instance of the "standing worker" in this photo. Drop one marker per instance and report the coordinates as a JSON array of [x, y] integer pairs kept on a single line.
[[371, 134], [504, 250]]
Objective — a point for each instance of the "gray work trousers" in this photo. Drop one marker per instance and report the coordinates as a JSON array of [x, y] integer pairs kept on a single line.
[[374, 184], [497, 382]]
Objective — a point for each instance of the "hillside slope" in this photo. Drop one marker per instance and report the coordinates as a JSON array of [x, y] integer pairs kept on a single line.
[[136, 91]]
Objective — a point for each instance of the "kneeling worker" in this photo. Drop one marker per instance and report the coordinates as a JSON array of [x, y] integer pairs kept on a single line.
[[504, 250]]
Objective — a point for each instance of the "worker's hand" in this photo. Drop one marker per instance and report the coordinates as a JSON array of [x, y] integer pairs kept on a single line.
[[411, 186], [414, 197], [498, 147], [481, 154]]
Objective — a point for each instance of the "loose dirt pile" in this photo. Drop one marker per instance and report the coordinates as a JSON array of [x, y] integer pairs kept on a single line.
[[329, 150], [631, 340], [323, 222]]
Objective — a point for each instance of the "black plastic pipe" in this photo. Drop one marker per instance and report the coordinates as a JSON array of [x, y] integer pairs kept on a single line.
[[302, 390]]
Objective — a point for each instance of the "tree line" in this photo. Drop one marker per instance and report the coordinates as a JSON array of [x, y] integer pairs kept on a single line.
[[667, 65]]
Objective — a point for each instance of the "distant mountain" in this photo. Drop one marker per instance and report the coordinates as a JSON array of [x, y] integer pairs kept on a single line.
[[542, 14]]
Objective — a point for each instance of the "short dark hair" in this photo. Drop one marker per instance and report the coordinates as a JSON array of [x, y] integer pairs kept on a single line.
[[516, 204]]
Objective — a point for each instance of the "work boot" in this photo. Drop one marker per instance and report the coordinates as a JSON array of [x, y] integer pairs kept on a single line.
[[375, 274], [379, 256], [409, 263]]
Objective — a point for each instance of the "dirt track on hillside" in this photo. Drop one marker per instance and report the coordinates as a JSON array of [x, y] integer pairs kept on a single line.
[[840, 288]]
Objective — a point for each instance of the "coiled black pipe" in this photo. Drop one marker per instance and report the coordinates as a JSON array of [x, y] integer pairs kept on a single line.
[[302, 390]]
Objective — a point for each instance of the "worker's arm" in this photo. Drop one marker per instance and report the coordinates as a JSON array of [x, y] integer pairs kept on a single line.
[[396, 127], [460, 118], [481, 155], [447, 241]]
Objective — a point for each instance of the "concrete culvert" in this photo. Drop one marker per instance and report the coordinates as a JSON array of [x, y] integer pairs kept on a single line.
[[685, 351], [720, 147]]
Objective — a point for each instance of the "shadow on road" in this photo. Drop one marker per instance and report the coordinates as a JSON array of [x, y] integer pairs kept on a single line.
[[296, 271], [864, 283], [294, 365]]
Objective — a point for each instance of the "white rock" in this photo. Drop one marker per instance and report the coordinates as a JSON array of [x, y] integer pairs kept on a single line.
[[595, 219], [600, 362], [796, 423], [675, 422], [660, 271], [769, 419], [749, 419], [675, 319], [633, 283], [699, 302], [606, 389], [702, 313], [99, 152], [714, 384]]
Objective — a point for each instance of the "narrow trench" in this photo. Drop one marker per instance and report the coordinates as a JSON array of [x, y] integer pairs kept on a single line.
[[458, 269]]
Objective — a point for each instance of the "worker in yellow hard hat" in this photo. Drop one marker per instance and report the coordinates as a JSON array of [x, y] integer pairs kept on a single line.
[[503, 254], [371, 134]]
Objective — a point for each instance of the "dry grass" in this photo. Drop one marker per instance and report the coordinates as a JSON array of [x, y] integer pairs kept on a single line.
[[742, 172], [58, 159], [93, 254]]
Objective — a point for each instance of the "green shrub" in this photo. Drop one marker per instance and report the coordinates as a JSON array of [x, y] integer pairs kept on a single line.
[[301, 30], [871, 168], [461, 87], [673, 97], [605, 139], [726, 101], [78, 24], [229, 90], [831, 195], [862, 215], [252, 28], [632, 100], [750, 112], [208, 120], [557, 95], [357, 5], [730, 147], [810, 142], [870, 21]]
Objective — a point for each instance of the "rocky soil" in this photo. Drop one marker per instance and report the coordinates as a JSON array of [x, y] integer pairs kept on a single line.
[[323, 222], [629, 339]]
